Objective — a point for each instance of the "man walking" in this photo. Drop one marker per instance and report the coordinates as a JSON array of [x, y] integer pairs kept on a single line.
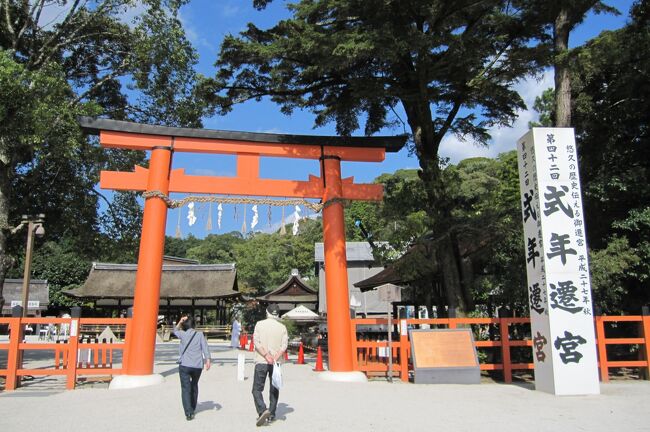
[[271, 339]]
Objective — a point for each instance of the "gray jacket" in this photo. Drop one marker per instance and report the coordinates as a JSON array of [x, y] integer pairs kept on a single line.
[[197, 352]]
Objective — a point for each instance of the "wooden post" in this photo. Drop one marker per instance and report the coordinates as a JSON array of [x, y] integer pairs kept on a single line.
[[355, 349], [73, 350], [602, 349], [150, 258], [28, 267], [403, 350], [128, 331], [645, 312], [13, 355], [504, 326]]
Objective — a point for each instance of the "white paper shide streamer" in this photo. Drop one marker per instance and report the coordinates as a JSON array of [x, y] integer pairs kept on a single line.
[[255, 217], [191, 218], [219, 214], [296, 220]]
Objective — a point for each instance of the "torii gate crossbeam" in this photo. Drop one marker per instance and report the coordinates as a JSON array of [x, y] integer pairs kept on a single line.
[[248, 147]]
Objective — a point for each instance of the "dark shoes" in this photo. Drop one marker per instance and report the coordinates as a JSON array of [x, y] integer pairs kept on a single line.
[[263, 418], [189, 417]]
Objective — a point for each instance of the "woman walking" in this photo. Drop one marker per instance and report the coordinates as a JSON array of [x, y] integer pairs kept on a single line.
[[194, 355]]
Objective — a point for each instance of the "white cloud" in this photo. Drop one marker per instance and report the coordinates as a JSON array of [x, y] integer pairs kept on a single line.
[[230, 10], [54, 13], [274, 130], [194, 35], [503, 138]]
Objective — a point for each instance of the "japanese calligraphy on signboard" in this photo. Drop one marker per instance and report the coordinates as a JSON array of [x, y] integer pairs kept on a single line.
[[559, 289]]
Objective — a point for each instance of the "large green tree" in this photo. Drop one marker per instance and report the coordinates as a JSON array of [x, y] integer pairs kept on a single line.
[[66, 58], [485, 196], [610, 113], [557, 19], [449, 65], [611, 116]]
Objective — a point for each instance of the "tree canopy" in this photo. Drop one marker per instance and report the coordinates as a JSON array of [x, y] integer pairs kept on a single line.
[[610, 114], [556, 20], [59, 60], [449, 65]]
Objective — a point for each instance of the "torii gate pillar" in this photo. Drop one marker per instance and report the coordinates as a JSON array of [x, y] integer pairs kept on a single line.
[[142, 342], [150, 260], [336, 271]]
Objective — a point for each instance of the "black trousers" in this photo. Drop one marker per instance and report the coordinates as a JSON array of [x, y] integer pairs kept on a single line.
[[189, 387], [262, 371]]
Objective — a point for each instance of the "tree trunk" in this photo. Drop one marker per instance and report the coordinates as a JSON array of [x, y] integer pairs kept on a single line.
[[5, 175], [465, 273], [440, 302], [427, 142], [561, 30], [428, 297], [451, 276]]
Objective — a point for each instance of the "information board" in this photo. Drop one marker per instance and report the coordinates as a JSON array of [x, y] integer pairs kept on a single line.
[[444, 356]]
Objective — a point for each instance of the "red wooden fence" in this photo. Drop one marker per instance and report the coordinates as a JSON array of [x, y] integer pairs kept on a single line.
[[66, 360], [368, 359]]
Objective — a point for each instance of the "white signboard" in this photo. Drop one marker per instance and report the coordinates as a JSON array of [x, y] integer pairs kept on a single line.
[[559, 289], [403, 328], [31, 304], [74, 325]]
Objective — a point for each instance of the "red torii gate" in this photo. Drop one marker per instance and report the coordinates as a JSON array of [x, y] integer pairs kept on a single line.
[[248, 147]]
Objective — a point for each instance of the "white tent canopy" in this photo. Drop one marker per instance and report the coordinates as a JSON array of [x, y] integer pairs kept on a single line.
[[301, 313]]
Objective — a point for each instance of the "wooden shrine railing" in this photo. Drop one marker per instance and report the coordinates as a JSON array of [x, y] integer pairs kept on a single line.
[[639, 324], [506, 333], [75, 353]]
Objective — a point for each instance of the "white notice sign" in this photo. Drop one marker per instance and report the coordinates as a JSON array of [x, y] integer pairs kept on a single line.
[[559, 289], [31, 304]]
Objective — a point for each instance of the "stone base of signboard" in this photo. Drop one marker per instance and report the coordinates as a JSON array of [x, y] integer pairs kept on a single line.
[[447, 376], [133, 381]]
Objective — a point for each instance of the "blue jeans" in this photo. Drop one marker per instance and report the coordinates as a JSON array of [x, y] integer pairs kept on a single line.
[[259, 380], [189, 387]]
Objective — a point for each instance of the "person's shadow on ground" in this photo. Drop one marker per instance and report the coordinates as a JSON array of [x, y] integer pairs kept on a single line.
[[207, 406], [169, 372], [282, 410]]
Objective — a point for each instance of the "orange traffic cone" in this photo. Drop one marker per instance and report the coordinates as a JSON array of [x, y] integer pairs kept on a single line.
[[319, 361], [243, 341], [252, 347], [301, 355]]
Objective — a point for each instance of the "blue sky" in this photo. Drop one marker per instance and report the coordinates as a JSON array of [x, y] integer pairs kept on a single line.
[[208, 21]]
